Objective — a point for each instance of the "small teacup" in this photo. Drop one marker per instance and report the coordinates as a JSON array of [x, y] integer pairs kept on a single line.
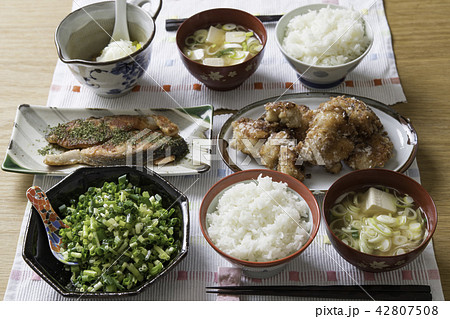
[[85, 32]]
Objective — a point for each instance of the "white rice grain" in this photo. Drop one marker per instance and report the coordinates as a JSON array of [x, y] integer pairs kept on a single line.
[[326, 37], [260, 221]]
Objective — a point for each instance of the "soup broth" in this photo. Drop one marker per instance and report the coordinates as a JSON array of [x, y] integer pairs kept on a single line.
[[222, 45], [378, 221]]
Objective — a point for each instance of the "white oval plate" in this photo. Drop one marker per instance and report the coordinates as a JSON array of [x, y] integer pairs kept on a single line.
[[399, 129]]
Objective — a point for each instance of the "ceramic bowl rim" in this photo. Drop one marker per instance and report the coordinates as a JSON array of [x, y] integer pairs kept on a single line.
[[255, 19], [322, 67], [104, 63], [393, 173], [264, 172]]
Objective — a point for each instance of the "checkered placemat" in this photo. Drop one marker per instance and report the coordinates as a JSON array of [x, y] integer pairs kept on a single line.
[[168, 84]]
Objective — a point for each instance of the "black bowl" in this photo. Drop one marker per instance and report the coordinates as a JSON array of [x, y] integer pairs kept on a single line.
[[36, 251]]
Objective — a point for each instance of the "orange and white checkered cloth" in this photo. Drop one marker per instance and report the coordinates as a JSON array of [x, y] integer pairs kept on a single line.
[[168, 84]]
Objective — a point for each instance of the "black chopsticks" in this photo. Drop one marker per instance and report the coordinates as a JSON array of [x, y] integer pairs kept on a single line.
[[173, 24], [364, 292]]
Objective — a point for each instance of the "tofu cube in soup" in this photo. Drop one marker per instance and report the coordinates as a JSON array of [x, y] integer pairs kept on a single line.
[[215, 35]]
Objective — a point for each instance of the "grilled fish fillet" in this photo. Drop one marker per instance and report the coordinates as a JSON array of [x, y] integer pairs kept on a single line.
[[82, 133], [146, 146], [116, 140]]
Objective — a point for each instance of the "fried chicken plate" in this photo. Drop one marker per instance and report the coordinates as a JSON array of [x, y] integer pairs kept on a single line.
[[327, 140], [289, 136]]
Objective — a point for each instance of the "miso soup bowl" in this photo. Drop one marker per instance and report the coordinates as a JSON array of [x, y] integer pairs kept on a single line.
[[361, 179], [252, 268], [84, 33], [221, 78]]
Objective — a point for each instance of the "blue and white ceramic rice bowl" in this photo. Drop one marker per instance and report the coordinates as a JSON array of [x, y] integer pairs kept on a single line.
[[85, 32]]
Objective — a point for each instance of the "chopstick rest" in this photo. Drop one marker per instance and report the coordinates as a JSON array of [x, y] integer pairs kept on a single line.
[[363, 292]]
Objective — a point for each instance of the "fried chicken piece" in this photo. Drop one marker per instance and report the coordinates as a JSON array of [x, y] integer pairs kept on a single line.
[[249, 135], [278, 153], [373, 152], [270, 150], [287, 163], [327, 140], [299, 133], [288, 114], [360, 116]]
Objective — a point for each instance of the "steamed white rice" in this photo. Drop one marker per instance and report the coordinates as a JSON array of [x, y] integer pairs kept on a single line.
[[260, 221], [326, 37]]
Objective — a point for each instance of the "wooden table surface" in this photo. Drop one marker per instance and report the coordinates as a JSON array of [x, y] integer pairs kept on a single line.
[[420, 32]]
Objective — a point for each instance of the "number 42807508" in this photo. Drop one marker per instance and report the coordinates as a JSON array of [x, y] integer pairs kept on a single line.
[[407, 310]]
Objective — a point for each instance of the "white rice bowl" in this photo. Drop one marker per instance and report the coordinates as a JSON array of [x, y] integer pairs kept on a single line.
[[326, 37], [259, 222]]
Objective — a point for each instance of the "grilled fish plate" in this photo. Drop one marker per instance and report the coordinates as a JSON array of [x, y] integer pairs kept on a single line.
[[25, 151]]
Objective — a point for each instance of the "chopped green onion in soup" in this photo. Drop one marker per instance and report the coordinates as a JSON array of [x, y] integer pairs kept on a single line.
[[222, 45], [378, 221]]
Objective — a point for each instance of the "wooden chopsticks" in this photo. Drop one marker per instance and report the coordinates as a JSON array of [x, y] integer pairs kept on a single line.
[[173, 24], [364, 292]]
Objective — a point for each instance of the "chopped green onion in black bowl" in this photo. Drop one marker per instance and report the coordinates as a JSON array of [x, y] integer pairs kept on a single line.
[[128, 227]]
